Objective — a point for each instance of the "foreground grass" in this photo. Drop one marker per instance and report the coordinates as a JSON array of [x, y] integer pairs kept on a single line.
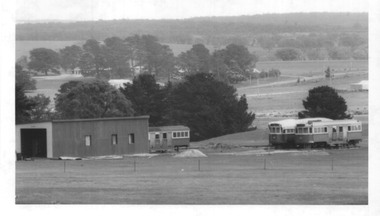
[[221, 179]]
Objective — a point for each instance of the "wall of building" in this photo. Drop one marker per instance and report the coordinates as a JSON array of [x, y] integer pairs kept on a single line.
[[69, 137], [42, 125]]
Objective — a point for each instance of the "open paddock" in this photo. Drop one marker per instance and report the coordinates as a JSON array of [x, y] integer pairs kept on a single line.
[[332, 178], [312, 68]]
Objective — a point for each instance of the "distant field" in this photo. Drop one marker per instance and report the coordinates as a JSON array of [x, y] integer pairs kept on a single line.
[[287, 99], [309, 68]]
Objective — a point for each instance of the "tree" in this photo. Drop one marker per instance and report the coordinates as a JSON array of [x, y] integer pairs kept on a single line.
[[240, 55], [41, 110], [195, 60], [287, 54], [93, 61], [218, 67], [117, 56], [70, 57], [328, 72], [147, 98], [44, 60], [209, 107], [95, 99], [267, 43], [324, 101], [24, 79], [339, 53], [23, 105], [23, 62]]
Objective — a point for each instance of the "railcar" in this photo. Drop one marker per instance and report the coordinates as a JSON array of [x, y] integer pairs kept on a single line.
[[282, 133], [168, 138], [336, 134]]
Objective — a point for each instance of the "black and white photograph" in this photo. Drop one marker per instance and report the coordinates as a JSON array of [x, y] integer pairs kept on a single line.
[[190, 107]]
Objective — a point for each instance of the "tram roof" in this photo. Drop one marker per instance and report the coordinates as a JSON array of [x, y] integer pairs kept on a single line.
[[337, 122], [291, 123]]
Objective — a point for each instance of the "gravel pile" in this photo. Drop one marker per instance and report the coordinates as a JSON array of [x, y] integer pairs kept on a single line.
[[191, 153]]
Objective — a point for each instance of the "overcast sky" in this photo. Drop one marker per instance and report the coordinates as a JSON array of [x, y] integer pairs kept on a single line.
[[173, 9]]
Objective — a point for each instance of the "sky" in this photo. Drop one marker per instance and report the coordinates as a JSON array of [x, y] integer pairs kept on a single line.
[[173, 9]]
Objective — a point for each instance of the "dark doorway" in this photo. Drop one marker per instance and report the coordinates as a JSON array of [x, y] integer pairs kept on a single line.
[[33, 143]]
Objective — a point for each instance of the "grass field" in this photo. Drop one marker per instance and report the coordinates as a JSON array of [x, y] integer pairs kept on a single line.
[[287, 98], [333, 178], [310, 68]]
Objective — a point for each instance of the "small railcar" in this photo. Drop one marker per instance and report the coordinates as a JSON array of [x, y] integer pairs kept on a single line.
[[336, 134], [282, 133], [168, 138]]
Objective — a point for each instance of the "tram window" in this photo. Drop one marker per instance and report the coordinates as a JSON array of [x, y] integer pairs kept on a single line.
[[349, 128], [334, 129], [304, 130], [360, 127], [186, 134], [340, 129], [325, 129], [277, 130]]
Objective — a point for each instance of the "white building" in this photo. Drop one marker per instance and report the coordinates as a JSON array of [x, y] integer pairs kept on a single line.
[[363, 85], [119, 83]]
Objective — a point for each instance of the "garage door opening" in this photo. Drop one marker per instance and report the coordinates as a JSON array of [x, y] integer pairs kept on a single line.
[[33, 143]]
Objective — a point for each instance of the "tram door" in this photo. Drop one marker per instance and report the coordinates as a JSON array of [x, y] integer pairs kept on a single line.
[[164, 140], [157, 140], [334, 133], [340, 133]]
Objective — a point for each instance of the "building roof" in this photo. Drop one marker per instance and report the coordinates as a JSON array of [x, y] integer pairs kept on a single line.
[[102, 119], [169, 128]]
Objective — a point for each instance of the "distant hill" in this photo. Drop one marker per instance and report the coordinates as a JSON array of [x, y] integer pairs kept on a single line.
[[44, 21], [206, 30], [309, 19]]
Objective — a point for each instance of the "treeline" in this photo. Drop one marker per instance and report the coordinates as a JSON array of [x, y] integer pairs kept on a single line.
[[219, 31], [122, 58], [209, 107]]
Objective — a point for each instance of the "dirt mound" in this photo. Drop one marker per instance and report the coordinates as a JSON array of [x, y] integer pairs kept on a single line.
[[191, 153]]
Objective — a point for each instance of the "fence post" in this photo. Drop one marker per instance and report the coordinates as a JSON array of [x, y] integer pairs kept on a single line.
[[265, 163], [332, 164], [199, 165], [134, 165], [64, 166]]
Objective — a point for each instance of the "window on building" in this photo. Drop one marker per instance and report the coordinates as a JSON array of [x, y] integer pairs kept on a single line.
[[164, 135], [88, 140], [131, 138], [114, 139], [325, 129]]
